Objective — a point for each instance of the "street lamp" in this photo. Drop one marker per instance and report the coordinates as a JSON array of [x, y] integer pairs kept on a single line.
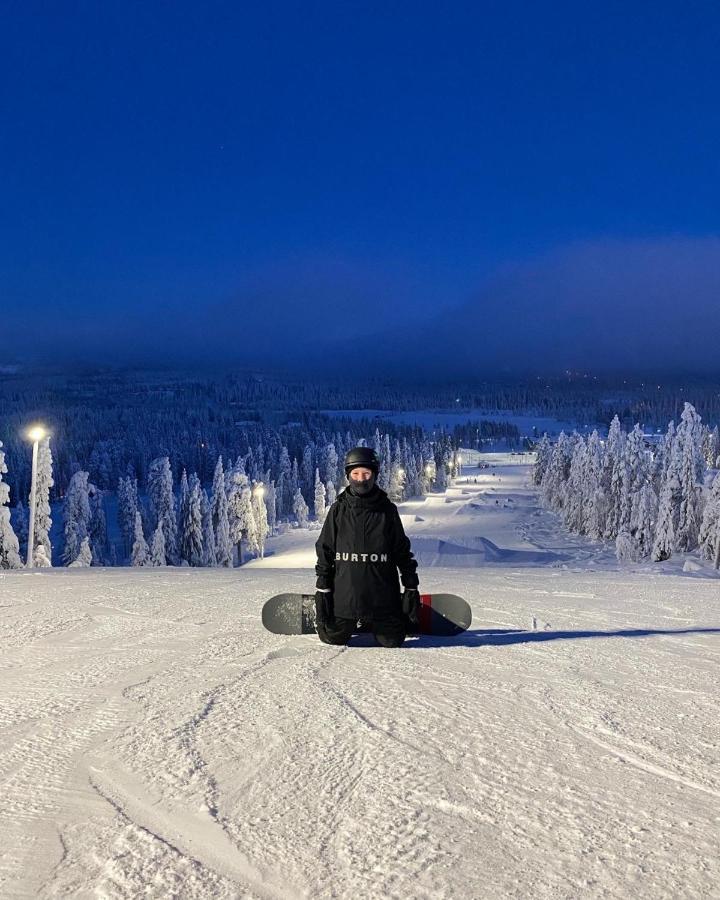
[[36, 434]]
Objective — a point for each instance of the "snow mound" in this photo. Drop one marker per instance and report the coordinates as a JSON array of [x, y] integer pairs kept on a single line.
[[482, 552]]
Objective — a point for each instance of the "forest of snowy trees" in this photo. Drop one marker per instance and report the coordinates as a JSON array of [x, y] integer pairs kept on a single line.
[[648, 497], [199, 471], [217, 523], [103, 422]]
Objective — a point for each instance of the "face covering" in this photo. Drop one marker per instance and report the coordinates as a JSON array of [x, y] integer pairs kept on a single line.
[[362, 488]]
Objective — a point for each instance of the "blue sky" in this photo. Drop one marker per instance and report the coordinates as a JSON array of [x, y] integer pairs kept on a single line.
[[172, 171]]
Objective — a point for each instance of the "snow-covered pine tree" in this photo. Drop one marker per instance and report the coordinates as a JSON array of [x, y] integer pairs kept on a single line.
[[543, 452], [556, 475], [643, 519], [595, 503], [596, 516], [182, 508], [441, 471], [664, 542], [43, 516], [261, 520], [636, 459], [162, 502], [413, 484], [221, 523], [690, 436], [127, 510], [294, 477], [625, 548], [139, 554], [330, 494], [280, 494], [615, 480], [341, 448], [300, 508], [158, 555], [20, 525], [40, 558], [240, 513], [332, 471], [665, 454], [709, 536], [306, 468], [97, 527], [209, 550], [319, 497], [84, 557], [692, 430], [577, 486], [690, 512], [9, 546], [382, 449], [711, 448], [270, 495], [625, 474], [396, 484], [76, 516], [429, 473], [284, 497], [191, 526], [385, 463]]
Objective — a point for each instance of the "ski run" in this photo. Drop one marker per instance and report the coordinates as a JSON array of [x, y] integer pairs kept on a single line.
[[157, 742]]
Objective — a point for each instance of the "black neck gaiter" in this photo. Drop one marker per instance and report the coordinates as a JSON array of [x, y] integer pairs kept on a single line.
[[362, 488]]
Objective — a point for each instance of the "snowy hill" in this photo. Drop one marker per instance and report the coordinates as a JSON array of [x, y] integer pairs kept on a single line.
[[157, 742]]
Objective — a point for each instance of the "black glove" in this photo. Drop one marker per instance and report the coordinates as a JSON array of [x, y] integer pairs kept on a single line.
[[324, 608], [411, 605]]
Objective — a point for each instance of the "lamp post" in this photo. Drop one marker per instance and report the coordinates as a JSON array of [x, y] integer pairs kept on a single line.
[[36, 434]]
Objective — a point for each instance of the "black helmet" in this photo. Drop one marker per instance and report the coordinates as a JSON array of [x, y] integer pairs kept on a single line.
[[364, 457]]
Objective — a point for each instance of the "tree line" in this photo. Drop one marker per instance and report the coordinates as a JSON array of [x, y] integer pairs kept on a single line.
[[648, 496], [164, 521]]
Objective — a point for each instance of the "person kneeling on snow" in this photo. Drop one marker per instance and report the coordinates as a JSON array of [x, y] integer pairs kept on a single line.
[[360, 549]]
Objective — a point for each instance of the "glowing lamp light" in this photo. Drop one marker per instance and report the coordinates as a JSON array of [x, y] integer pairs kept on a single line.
[[37, 433], [259, 491]]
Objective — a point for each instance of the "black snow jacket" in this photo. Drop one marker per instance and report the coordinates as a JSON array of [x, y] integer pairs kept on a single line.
[[360, 549]]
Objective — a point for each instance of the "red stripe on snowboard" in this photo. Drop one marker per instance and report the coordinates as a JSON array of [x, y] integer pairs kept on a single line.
[[425, 613]]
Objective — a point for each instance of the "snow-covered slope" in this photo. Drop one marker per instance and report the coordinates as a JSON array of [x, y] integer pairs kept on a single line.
[[157, 742]]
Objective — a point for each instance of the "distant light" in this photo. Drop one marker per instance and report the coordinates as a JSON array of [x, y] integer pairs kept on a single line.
[[37, 433], [259, 490], [401, 472]]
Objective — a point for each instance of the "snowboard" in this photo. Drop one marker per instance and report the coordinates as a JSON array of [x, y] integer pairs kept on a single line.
[[440, 614]]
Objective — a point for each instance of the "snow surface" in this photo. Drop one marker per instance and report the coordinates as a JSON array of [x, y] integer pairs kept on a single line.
[[157, 742]]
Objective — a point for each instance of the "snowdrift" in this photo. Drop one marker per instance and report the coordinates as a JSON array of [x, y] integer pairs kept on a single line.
[[476, 552]]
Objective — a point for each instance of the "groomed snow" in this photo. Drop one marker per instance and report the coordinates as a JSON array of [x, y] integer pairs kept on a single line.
[[157, 742]]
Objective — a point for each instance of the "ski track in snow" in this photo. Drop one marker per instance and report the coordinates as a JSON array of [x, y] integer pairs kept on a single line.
[[157, 742]]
